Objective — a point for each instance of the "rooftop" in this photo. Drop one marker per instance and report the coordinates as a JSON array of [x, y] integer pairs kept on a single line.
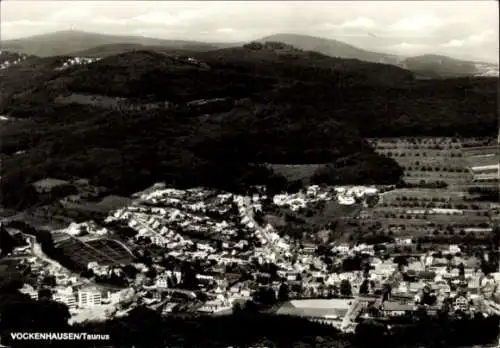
[[397, 306]]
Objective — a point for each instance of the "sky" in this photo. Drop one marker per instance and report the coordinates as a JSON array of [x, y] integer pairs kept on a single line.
[[461, 29]]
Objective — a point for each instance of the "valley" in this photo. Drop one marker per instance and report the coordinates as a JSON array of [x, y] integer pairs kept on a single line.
[[174, 185]]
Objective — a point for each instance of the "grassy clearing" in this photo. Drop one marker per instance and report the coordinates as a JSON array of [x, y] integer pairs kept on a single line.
[[295, 171]]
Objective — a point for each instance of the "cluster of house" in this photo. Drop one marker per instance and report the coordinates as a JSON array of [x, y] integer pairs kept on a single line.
[[161, 215], [77, 61], [347, 195], [350, 195], [170, 218], [8, 63], [487, 69], [301, 199], [78, 294]]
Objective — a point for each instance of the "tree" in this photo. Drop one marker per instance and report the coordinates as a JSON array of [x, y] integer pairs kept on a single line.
[[401, 261], [266, 295], [283, 293], [130, 271], [364, 288], [386, 291], [345, 288], [189, 280]]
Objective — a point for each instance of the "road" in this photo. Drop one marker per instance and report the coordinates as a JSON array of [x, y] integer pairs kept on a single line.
[[249, 213], [353, 312], [36, 250]]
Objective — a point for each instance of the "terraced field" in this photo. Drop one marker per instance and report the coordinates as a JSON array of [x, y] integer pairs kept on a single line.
[[447, 211], [427, 160], [484, 164]]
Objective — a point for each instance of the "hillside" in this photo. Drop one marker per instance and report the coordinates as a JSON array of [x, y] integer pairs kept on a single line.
[[118, 48], [271, 105], [329, 47], [440, 66], [69, 42], [431, 66]]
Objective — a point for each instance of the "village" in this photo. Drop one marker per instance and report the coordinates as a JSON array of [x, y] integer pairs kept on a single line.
[[206, 252]]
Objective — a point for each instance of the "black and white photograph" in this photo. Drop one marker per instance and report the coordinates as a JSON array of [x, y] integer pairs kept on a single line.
[[249, 174]]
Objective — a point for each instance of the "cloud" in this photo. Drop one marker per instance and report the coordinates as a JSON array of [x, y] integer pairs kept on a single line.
[[360, 22], [453, 43], [473, 40], [417, 23], [225, 30], [155, 18], [483, 36], [405, 48], [24, 24], [70, 14], [399, 26]]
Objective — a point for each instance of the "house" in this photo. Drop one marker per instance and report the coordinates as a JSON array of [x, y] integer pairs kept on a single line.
[[403, 241], [391, 308], [215, 306], [461, 303], [162, 282], [309, 248]]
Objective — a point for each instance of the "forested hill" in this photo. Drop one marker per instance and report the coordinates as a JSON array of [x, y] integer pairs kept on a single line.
[[227, 108]]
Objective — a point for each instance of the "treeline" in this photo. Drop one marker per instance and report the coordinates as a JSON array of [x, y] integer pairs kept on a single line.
[[421, 330]]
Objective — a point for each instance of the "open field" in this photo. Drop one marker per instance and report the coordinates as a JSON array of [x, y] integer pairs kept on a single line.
[[103, 251], [482, 160], [481, 150], [295, 171]]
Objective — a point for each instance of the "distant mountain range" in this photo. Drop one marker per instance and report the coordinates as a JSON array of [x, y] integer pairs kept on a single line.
[[429, 65], [69, 42], [333, 48], [78, 43]]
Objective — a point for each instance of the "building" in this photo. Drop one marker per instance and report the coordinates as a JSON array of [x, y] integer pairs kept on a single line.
[[403, 241], [162, 282], [89, 298], [30, 291], [461, 303], [66, 296], [215, 306], [394, 309]]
